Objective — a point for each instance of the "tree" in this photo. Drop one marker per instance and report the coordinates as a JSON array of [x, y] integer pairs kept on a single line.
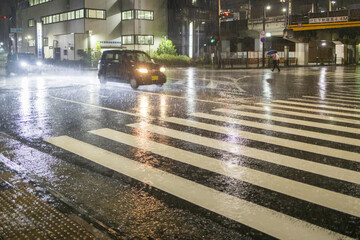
[[166, 47]]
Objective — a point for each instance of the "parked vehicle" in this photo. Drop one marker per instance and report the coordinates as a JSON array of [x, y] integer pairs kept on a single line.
[[130, 66], [23, 63]]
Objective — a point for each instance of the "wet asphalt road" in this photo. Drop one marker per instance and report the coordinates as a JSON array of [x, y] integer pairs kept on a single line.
[[213, 154]]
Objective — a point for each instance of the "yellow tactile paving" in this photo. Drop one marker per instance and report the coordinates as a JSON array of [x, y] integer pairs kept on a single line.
[[25, 216]]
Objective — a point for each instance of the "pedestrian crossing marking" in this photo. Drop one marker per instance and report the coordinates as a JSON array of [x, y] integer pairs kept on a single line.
[[331, 152], [332, 99], [344, 97], [245, 212], [345, 94], [296, 121], [326, 198], [318, 105], [310, 110], [323, 102], [292, 162]]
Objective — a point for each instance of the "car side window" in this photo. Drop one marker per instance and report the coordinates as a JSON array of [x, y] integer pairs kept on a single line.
[[109, 56]]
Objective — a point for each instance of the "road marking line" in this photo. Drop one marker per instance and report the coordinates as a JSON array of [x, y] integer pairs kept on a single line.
[[308, 115], [322, 102], [288, 130], [292, 162], [310, 110], [323, 197], [346, 94], [318, 105], [212, 85], [247, 213], [343, 97], [326, 151], [333, 99]]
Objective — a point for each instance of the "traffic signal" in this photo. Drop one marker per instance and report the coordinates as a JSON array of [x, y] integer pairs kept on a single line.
[[3, 17], [212, 39]]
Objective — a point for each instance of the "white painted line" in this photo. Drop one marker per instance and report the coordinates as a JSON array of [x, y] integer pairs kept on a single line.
[[331, 152], [322, 102], [299, 114], [212, 85], [310, 110], [318, 105], [247, 213], [292, 162], [323, 197], [334, 138], [333, 99], [344, 97], [99, 107], [347, 93]]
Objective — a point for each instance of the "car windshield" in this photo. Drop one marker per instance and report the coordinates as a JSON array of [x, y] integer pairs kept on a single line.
[[142, 57]]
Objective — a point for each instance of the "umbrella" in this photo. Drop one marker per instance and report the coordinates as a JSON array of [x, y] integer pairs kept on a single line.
[[271, 52]]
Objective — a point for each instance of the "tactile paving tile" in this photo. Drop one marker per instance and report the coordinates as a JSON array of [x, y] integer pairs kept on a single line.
[[25, 216]]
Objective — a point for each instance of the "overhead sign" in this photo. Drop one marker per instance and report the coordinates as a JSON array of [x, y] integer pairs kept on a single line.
[[16, 30], [109, 44], [328, 19]]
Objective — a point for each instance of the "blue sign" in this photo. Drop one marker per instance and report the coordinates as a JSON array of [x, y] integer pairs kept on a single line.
[[263, 39]]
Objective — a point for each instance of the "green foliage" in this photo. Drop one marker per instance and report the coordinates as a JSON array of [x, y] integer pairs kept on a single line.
[[172, 60], [166, 47]]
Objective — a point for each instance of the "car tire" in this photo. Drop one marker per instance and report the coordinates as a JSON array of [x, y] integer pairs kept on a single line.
[[134, 83], [102, 78]]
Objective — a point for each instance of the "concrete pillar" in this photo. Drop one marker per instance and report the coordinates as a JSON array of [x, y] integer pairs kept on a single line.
[[346, 58], [339, 52], [302, 53], [357, 54], [286, 55]]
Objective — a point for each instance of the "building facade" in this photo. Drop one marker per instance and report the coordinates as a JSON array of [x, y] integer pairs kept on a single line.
[[66, 30]]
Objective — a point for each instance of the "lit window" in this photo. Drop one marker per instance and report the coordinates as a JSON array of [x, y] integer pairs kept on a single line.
[[128, 39], [145, 15], [79, 14], [46, 42], [100, 14], [71, 15], [127, 15], [31, 23], [145, 40], [56, 18], [63, 17]]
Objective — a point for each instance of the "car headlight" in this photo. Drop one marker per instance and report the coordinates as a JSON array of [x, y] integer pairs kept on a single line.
[[23, 64], [143, 70], [38, 63], [162, 69]]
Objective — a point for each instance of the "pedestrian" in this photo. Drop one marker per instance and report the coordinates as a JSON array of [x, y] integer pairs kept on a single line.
[[276, 60]]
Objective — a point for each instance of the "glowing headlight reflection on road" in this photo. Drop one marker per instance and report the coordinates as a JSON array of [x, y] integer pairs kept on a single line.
[[23, 64]]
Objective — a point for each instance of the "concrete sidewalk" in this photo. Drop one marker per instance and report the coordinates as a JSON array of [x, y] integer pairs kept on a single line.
[[29, 213]]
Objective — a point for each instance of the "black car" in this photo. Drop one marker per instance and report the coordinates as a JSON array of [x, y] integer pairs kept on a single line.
[[22, 63], [134, 67]]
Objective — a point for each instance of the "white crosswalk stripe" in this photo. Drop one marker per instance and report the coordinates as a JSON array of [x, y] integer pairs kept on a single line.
[[310, 110], [294, 121], [333, 99], [262, 218], [317, 105]]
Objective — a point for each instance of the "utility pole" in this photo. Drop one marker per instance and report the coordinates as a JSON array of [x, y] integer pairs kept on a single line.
[[219, 36], [263, 44]]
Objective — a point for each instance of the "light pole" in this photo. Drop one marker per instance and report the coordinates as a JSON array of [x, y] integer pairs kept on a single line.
[[219, 36], [263, 44]]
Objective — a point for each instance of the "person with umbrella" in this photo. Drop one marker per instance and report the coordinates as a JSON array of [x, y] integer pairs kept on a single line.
[[276, 59]]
